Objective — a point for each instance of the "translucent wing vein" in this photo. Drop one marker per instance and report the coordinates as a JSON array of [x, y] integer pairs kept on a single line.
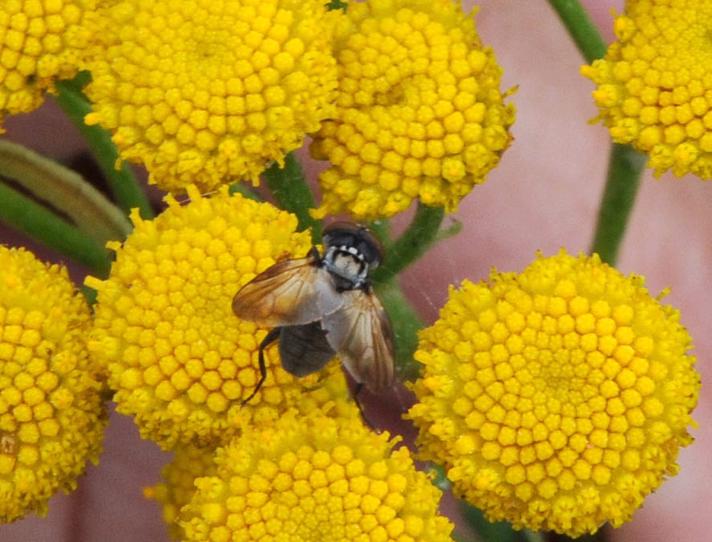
[[361, 334]]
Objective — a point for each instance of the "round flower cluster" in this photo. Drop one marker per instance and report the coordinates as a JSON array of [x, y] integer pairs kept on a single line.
[[419, 111], [180, 361], [558, 398], [41, 41], [209, 92], [177, 487], [654, 85], [51, 413], [315, 479]]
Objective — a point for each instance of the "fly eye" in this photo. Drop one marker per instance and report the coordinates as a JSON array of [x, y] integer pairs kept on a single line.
[[371, 253]]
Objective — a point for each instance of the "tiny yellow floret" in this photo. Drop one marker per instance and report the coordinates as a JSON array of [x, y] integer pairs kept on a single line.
[[419, 112], [653, 85], [52, 415], [314, 479], [178, 358], [598, 400]]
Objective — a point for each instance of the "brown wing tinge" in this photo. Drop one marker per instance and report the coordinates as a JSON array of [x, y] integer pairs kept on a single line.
[[384, 371], [283, 294], [361, 333]]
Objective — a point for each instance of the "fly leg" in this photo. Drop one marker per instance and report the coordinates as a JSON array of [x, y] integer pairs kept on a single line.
[[272, 336]]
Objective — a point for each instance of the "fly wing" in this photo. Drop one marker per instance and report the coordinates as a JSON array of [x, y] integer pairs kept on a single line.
[[361, 334], [291, 292]]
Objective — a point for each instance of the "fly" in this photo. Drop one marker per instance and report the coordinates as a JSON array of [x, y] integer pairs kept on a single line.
[[320, 306]]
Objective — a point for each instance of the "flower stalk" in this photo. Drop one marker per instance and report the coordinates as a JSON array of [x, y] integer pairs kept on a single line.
[[624, 169], [580, 27], [412, 244], [292, 193], [124, 185], [499, 531], [625, 164]]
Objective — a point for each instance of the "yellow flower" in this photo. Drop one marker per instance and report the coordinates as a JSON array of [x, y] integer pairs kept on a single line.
[[41, 41], [419, 113], [51, 413], [654, 84], [558, 398], [177, 487], [315, 479], [208, 92], [179, 359]]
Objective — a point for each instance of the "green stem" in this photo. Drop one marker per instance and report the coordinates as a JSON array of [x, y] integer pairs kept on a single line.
[[406, 323], [36, 221], [624, 168], [381, 228], [625, 165], [500, 531], [581, 28], [412, 244], [127, 192], [290, 189]]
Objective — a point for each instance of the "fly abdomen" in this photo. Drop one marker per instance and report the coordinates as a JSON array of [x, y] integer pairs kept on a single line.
[[304, 349]]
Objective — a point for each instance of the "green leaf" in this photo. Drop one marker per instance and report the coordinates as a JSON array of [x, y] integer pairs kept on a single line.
[[243, 189], [23, 214], [452, 230], [65, 191]]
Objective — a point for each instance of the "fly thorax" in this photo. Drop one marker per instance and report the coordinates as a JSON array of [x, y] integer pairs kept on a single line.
[[347, 265]]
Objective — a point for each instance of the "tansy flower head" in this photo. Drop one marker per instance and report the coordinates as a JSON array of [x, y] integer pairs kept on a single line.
[[558, 398], [179, 359], [178, 486], [208, 92], [41, 41], [315, 479], [419, 111], [51, 413], [654, 84]]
